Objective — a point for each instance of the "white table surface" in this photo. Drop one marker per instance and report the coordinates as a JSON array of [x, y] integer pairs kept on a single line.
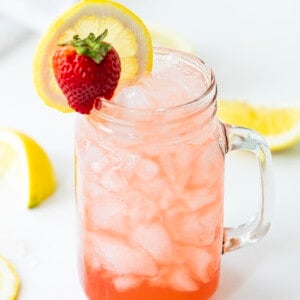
[[254, 50]]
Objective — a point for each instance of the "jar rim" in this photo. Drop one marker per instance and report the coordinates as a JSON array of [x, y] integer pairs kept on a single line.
[[207, 97]]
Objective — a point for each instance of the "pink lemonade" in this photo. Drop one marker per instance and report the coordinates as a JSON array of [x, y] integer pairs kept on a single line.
[[149, 180]]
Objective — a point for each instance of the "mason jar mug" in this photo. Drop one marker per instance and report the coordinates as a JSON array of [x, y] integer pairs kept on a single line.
[[149, 188]]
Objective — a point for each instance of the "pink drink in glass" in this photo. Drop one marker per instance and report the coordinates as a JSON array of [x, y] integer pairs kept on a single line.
[[149, 180]]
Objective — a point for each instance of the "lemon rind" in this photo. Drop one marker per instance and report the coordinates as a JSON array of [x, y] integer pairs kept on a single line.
[[6, 265], [284, 140]]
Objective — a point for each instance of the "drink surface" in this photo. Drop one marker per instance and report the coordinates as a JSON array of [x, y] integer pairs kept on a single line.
[[150, 195], [170, 83]]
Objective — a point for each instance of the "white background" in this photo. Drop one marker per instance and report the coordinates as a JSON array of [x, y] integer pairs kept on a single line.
[[254, 49]]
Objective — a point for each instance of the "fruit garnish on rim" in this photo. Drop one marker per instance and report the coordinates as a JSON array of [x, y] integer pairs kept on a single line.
[[89, 25], [87, 70]]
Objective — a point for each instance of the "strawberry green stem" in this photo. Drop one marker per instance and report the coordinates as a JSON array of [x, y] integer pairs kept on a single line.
[[92, 46]]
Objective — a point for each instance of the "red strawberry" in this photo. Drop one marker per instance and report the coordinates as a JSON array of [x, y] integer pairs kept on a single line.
[[87, 70]]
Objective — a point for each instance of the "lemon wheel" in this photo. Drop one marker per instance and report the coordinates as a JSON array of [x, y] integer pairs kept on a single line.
[[126, 33]]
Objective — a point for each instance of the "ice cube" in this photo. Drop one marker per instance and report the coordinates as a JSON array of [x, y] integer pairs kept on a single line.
[[208, 168], [184, 156], [164, 94], [141, 210], [189, 82], [98, 165], [168, 167], [113, 181], [161, 280], [129, 160], [171, 89], [108, 213], [150, 189], [117, 256], [173, 216], [125, 283], [200, 197], [194, 228], [200, 263], [155, 240], [181, 280], [123, 135], [133, 97], [167, 199], [195, 83], [94, 190], [182, 178], [177, 173], [147, 169], [94, 155]]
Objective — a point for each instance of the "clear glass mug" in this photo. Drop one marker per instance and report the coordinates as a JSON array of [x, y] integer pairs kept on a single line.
[[149, 189]]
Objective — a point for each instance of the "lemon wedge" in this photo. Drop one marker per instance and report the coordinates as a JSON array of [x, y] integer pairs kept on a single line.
[[166, 38], [126, 33], [27, 164], [280, 126], [9, 280]]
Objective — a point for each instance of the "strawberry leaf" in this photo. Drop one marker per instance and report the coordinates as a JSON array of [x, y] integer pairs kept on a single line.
[[92, 46]]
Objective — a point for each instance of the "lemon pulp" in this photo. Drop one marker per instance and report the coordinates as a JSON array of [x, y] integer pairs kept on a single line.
[[279, 125]]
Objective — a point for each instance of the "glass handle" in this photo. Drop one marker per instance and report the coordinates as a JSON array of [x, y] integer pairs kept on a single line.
[[239, 138]]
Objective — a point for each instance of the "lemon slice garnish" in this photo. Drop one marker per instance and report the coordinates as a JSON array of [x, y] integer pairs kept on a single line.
[[27, 164], [9, 280], [280, 126], [126, 33]]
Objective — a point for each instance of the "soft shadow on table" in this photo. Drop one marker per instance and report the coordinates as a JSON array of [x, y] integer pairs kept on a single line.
[[292, 151], [231, 279], [64, 173], [233, 275]]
